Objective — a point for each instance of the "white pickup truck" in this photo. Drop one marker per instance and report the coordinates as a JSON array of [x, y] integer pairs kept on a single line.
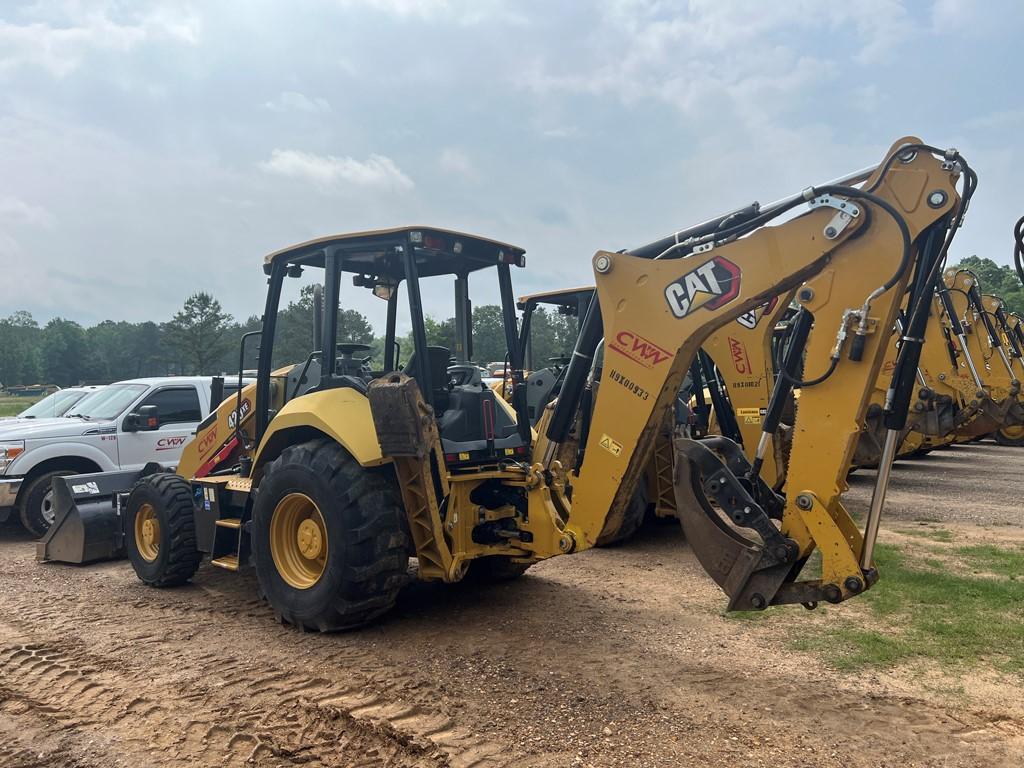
[[113, 428], [55, 404]]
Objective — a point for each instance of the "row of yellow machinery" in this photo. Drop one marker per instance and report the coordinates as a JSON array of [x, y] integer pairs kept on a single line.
[[328, 475], [969, 379]]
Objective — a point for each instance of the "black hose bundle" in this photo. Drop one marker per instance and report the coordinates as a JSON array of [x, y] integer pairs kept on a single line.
[[1018, 247]]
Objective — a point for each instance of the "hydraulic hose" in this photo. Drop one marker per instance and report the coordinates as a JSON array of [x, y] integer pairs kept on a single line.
[[1004, 323], [788, 371], [1018, 248], [897, 400]]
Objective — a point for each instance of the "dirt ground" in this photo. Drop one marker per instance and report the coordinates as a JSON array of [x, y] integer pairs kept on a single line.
[[615, 657]]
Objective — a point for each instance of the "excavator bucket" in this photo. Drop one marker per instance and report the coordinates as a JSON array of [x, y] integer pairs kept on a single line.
[[87, 522], [750, 571]]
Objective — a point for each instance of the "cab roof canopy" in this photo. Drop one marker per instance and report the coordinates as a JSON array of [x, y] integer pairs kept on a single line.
[[566, 297], [379, 253]]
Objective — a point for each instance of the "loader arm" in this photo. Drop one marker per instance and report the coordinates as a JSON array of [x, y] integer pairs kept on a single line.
[[839, 254]]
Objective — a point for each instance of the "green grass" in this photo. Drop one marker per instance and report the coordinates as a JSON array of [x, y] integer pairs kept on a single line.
[[12, 406], [1001, 561], [921, 609], [935, 534]]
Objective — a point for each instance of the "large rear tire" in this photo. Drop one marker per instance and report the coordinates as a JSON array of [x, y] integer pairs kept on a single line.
[[160, 530], [330, 538]]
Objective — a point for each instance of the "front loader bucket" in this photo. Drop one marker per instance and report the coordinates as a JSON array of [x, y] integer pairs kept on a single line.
[[87, 523]]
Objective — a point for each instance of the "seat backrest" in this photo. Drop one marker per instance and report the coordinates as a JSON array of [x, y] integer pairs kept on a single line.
[[438, 360]]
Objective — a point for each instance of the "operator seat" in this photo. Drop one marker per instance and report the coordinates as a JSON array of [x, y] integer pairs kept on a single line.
[[438, 360]]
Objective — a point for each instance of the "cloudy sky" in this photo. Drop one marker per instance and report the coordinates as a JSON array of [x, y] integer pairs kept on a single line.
[[149, 149]]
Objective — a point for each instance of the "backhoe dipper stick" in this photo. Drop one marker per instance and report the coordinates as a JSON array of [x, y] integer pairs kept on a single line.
[[897, 401]]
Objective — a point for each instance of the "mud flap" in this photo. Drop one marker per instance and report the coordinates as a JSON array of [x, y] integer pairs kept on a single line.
[[750, 572], [87, 518]]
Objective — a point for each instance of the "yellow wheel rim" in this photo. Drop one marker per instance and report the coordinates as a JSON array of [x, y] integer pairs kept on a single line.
[[147, 532], [1012, 433], [298, 540]]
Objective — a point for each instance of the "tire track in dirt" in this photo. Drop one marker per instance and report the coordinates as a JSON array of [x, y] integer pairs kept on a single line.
[[239, 711], [398, 707]]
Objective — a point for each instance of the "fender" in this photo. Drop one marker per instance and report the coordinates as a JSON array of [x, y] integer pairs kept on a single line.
[[341, 414], [60, 449]]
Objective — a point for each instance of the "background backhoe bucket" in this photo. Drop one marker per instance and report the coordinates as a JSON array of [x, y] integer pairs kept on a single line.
[[87, 523]]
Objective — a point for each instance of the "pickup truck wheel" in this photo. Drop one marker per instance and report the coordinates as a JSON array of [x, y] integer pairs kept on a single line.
[[160, 530], [36, 507], [330, 538]]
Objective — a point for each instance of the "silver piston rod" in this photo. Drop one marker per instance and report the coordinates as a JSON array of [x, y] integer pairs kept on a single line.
[[962, 338], [1006, 362], [874, 520]]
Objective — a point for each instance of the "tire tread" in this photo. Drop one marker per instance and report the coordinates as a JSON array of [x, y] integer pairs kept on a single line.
[[375, 556], [174, 494]]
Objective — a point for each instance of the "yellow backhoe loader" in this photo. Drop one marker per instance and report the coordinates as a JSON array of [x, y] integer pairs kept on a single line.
[[341, 474], [655, 495], [732, 396], [1012, 335], [944, 405], [983, 353]]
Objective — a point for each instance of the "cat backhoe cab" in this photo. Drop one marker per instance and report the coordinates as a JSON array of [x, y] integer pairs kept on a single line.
[[545, 376], [655, 494], [340, 481]]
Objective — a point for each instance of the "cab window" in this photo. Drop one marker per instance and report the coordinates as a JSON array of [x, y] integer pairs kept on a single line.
[[177, 405]]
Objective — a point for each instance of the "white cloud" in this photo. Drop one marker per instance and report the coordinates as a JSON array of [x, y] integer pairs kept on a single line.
[[13, 209], [689, 54], [327, 171], [561, 132], [464, 12], [293, 101], [58, 36], [457, 163], [967, 17]]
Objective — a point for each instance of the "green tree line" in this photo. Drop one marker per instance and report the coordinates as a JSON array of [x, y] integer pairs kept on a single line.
[[202, 339]]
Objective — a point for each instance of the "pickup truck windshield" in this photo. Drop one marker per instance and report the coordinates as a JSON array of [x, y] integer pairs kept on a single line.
[[53, 405], [108, 403]]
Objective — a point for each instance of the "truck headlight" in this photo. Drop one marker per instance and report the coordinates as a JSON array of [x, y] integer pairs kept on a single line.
[[9, 451]]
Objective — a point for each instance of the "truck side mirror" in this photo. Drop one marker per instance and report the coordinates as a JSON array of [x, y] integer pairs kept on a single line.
[[146, 419]]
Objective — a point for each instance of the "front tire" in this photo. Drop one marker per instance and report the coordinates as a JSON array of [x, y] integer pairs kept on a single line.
[[1010, 436], [36, 509], [160, 531], [330, 538]]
